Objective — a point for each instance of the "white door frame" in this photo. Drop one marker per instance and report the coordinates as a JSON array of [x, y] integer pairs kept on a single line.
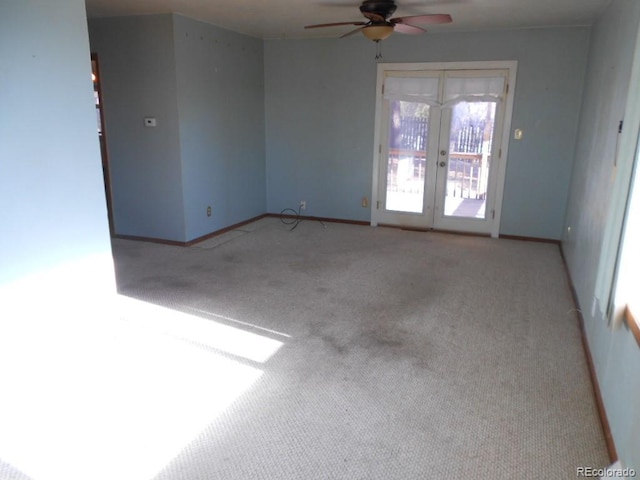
[[500, 165]]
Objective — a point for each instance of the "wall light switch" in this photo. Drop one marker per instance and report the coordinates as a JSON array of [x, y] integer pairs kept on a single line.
[[150, 122], [517, 134]]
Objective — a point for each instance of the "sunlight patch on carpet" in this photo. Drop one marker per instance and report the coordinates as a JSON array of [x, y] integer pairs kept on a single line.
[[117, 398]]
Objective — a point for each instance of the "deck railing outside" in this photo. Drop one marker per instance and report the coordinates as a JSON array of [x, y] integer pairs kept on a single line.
[[467, 173]]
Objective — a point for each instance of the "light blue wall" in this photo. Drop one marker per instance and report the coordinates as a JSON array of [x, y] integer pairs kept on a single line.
[[205, 87], [56, 270], [320, 99], [137, 65], [320, 125], [53, 214], [220, 79], [616, 355]]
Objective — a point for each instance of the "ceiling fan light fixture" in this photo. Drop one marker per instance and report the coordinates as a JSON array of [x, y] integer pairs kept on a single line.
[[377, 32]]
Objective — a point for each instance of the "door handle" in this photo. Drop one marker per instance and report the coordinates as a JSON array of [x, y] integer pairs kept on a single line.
[[443, 152], [443, 164]]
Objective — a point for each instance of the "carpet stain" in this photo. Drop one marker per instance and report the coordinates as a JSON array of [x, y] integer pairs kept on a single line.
[[198, 269], [277, 283], [167, 282], [335, 345], [382, 340], [230, 258]]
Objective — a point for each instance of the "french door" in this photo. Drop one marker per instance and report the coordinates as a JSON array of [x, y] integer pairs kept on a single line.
[[441, 147]]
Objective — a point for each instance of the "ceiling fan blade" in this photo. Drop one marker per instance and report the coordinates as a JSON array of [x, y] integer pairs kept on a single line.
[[322, 25], [374, 17], [423, 19], [352, 32], [408, 29]]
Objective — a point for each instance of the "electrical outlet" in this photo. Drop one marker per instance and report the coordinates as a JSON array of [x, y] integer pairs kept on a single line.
[[303, 204], [365, 201], [209, 211]]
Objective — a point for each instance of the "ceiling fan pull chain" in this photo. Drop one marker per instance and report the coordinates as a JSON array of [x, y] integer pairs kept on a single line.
[[378, 50]]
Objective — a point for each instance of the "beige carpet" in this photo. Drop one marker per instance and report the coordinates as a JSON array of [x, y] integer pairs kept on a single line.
[[400, 355], [324, 352]]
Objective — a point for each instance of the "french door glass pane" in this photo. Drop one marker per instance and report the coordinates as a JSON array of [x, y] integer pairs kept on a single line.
[[470, 143], [406, 163]]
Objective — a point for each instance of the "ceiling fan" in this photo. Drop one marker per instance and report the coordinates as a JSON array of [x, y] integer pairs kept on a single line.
[[379, 26]]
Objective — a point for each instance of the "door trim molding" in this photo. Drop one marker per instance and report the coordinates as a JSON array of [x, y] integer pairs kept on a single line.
[[510, 65]]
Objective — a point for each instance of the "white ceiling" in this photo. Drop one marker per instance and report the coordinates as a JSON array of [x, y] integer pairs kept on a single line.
[[286, 18]]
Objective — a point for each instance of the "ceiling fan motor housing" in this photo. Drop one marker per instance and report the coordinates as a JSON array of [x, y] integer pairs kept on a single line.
[[384, 8]]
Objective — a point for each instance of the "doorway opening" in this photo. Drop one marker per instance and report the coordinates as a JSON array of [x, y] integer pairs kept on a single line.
[[97, 94]]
